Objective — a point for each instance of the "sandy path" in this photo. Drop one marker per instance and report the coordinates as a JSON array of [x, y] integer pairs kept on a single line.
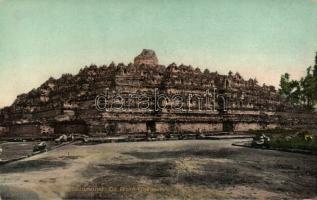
[[168, 169]]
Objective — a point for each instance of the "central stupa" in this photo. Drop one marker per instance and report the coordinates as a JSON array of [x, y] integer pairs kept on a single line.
[[147, 57]]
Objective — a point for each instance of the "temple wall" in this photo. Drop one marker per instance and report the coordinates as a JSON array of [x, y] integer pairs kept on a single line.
[[244, 112], [49, 113], [46, 130], [128, 128], [3, 131], [272, 126], [162, 127], [121, 128], [69, 102], [204, 127], [25, 130], [97, 129], [247, 126], [65, 128]]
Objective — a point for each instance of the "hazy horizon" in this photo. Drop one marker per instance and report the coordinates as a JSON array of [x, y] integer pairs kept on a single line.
[[259, 39]]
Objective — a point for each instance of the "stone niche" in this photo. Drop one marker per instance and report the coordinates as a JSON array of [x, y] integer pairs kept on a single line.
[[3, 130], [147, 57], [122, 128], [25, 129], [69, 127], [30, 130]]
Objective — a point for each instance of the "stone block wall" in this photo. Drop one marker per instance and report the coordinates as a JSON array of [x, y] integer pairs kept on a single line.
[[25, 130]]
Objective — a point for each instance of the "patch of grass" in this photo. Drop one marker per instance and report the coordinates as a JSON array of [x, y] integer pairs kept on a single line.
[[290, 138], [274, 131], [295, 143], [30, 165], [7, 192]]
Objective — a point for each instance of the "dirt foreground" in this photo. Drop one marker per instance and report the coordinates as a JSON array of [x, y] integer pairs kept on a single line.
[[192, 169]]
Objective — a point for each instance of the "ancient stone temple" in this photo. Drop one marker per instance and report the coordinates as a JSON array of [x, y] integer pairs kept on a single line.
[[148, 97]]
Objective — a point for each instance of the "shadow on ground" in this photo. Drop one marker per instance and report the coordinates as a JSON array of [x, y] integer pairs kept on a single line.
[[14, 193], [30, 165], [206, 153], [215, 169]]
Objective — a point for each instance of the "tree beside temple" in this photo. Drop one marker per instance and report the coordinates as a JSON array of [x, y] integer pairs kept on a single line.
[[303, 93]]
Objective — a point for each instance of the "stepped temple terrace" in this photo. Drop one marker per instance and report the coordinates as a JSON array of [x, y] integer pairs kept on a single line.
[[145, 97]]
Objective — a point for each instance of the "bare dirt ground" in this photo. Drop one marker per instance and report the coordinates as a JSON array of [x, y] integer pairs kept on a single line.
[[192, 169], [12, 150]]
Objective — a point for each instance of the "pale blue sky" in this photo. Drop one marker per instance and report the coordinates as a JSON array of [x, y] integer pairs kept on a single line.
[[258, 38]]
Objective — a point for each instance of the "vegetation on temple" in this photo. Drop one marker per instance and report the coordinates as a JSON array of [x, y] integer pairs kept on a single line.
[[301, 93]]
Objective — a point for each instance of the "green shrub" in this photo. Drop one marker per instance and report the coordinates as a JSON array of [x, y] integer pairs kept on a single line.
[[274, 131], [297, 142]]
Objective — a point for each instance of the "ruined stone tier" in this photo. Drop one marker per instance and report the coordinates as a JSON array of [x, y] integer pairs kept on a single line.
[[238, 104]]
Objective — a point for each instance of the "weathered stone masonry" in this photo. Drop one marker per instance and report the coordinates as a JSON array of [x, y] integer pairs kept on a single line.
[[67, 104]]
